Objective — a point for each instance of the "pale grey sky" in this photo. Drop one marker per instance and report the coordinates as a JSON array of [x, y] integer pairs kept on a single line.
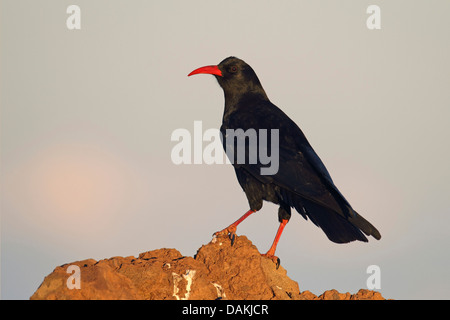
[[87, 115]]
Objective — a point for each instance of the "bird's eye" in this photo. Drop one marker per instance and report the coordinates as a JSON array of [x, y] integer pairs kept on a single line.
[[233, 69]]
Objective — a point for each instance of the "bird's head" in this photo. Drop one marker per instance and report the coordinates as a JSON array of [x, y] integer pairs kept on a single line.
[[234, 76]]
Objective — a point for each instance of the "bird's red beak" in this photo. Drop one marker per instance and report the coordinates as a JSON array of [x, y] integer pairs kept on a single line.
[[208, 70]]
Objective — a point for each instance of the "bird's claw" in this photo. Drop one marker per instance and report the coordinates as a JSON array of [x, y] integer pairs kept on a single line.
[[275, 259], [232, 237], [230, 231]]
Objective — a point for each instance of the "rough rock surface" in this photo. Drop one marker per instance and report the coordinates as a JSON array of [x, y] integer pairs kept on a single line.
[[218, 271]]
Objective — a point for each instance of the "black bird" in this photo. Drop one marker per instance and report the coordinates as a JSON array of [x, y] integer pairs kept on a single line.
[[301, 182]]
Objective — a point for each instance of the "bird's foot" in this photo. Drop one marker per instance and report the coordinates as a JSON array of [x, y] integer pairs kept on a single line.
[[230, 231], [272, 257]]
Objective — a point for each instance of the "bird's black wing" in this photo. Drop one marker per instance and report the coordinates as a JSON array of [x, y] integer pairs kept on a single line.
[[301, 172], [300, 169]]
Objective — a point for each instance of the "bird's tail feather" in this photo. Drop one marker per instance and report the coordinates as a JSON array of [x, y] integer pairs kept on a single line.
[[338, 228], [364, 225]]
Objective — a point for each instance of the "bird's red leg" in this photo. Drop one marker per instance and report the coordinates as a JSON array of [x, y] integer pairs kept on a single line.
[[231, 229], [271, 253]]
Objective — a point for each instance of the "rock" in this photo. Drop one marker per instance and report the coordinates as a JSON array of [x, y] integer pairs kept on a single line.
[[364, 294], [334, 295], [242, 273], [217, 271]]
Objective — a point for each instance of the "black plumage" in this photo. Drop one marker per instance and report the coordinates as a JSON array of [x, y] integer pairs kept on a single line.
[[302, 182]]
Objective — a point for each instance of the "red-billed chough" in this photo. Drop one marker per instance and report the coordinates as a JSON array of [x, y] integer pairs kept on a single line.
[[301, 180]]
